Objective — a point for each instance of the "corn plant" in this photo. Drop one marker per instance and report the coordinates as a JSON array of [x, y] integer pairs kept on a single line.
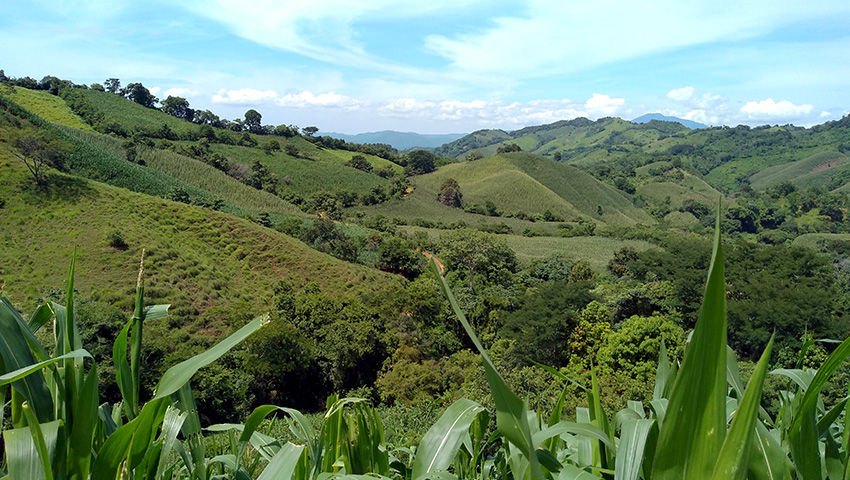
[[59, 431]]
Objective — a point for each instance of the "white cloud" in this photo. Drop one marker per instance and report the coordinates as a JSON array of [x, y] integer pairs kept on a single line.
[[768, 110], [244, 96], [681, 94], [306, 99], [497, 114], [154, 90], [180, 92]]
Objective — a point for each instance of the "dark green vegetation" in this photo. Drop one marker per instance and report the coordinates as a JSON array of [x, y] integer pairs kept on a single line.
[[586, 265]]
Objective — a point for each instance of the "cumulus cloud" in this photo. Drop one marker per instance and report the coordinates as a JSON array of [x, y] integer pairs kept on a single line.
[[481, 113], [244, 96], [306, 99], [770, 110], [180, 92]]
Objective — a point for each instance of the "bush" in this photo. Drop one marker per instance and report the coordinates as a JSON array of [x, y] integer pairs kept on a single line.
[[116, 240]]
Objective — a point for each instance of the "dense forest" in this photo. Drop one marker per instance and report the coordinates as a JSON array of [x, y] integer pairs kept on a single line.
[[569, 271]]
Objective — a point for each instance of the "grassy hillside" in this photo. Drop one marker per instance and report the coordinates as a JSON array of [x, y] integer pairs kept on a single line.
[[597, 251], [689, 187], [203, 262], [724, 156], [47, 106], [520, 182], [817, 170], [241, 198]]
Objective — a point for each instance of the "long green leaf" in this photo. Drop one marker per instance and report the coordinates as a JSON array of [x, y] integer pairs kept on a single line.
[[510, 410], [440, 444], [15, 348], [82, 431], [630, 451], [283, 464], [695, 424], [768, 460], [123, 377], [734, 456], [584, 429], [30, 369], [803, 436], [22, 457], [180, 374], [571, 472], [125, 448], [171, 425]]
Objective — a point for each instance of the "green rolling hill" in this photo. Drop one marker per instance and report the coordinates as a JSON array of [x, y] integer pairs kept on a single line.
[[521, 182], [822, 169]]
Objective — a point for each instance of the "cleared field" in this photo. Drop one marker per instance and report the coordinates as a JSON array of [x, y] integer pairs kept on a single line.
[[47, 106], [689, 188], [532, 184], [819, 169]]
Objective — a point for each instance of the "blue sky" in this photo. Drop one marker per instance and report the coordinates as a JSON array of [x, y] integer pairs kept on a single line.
[[443, 66]]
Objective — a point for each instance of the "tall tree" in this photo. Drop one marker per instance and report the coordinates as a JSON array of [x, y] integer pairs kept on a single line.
[[253, 121], [37, 150], [178, 107], [141, 95], [113, 85], [477, 251]]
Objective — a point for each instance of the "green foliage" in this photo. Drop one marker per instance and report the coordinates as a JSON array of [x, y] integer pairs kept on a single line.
[[450, 194], [472, 251]]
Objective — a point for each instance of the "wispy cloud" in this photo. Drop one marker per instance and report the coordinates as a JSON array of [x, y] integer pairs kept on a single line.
[[768, 110], [245, 96]]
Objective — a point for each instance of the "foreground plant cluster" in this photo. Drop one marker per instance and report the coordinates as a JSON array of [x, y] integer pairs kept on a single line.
[[702, 422]]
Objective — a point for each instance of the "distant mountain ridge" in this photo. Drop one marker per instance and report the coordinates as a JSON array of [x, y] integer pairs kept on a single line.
[[399, 140], [648, 117]]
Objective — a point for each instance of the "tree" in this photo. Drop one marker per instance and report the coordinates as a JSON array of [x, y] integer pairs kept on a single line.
[[141, 95], [178, 107], [421, 161], [473, 156], [310, 131], [253, 121], [477, 251], [450, 193], [360, 163], [395, 255], [113, 85], [508, 148], [558, 156], [38, 150]]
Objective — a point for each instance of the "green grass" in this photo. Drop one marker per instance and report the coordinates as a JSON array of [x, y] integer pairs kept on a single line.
[[533, 184], [829, 165], [133, 116], [597, 251], [202, 261], [324, 170], [689, 188], [47, 106], [205, 177]]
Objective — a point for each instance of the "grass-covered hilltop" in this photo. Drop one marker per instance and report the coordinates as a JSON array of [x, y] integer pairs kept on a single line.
[[572, 263]]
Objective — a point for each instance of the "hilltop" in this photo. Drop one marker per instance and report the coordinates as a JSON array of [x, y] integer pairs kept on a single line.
[[399, 140], [648, 117]]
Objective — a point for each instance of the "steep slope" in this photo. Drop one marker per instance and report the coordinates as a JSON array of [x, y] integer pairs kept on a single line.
[[520, 182], [573, 139], [202, 261], [821, 169], [648, 117]]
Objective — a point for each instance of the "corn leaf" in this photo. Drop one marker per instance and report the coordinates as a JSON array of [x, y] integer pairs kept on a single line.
[[630, 451], [39, 318], [440, 444], [125, 448], [695, 423], [734, 455], [30, 369], [22, 456], [178, 375], [768, 460], [82, 430], [571, 472], [171, 425], [510, 409], [15, 349], [283, 464]]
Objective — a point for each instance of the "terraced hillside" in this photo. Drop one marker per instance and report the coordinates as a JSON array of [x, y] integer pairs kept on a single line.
[[822, 169], [518, 183], [725, 157]]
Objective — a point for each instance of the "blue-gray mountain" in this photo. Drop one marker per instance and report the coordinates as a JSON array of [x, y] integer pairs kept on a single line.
[[647, 117], [399, 140]]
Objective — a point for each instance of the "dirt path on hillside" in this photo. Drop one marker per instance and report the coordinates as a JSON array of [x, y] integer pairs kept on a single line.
[[436, 260]]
